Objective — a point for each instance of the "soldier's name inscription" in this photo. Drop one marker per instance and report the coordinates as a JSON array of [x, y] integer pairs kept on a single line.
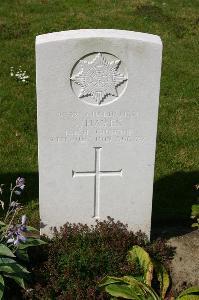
[[103, 126]]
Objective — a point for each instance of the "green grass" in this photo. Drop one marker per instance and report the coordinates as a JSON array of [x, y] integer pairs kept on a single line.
[[177, 157]]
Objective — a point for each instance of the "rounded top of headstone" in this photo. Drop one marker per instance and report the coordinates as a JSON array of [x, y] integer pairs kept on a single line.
[[97, 33]]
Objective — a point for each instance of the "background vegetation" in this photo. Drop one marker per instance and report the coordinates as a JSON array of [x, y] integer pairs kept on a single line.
[[178, 130]]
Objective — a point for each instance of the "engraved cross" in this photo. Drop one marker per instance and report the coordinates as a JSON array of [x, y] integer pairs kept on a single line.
[[97, 173]]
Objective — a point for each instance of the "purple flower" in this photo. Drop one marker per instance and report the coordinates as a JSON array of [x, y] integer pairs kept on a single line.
[[15, 235], [20, 182], [19, 238], [20, 185], [23, 228], [14, 204]]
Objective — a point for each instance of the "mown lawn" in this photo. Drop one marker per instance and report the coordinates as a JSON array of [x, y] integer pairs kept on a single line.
[[177, 22]]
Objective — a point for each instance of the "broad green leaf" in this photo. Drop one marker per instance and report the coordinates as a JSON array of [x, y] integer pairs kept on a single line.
[[31, 242], [190, 292], [139, 278], [22, 254], [32, 232], [131, 280], [195, 225], [29, 228], [3, 228], [109, 280], [112, 279], [137, 253], [122, 290], [5, 251], [163, 278], [2, 223], [195, 210], [152, 293], [128, 287], [8, 265], [136, 291], [189, 297], [136, 284], [18, 279], [1, 286]]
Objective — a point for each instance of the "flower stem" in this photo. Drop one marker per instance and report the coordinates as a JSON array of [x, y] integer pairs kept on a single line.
[[10, 201]]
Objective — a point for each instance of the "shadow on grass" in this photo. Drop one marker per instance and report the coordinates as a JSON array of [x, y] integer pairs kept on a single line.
[[173, 196]]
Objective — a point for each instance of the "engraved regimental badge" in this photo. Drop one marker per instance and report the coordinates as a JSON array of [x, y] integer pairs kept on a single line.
[[99, 79]]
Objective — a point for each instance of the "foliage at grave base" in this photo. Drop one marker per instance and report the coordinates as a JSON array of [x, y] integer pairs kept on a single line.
[[142, 287], [195, 215], [78, 256], [195, 210], [15, 239]]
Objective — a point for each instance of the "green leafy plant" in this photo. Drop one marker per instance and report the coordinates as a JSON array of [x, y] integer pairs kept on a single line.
[[140, 287], [15, 239], [191, 293], [195, 215], [195, 210]]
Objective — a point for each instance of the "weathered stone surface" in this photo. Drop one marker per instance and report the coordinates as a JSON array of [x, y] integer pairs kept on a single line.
[[98, 94], [185, 264]]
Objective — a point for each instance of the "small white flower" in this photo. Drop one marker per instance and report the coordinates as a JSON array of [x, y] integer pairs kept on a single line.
[[23, 220], [2, 204], [13, 203], [17, 192], [10, 240], [20, 75]]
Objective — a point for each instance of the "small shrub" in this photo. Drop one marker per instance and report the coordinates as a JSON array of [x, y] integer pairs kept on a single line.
[[78, 256], [195, 209]]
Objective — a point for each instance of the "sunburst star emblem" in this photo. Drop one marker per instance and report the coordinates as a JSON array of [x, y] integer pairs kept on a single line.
[[99, 78]]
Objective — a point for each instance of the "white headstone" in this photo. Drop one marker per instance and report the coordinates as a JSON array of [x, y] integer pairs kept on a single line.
[[98, 94]]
